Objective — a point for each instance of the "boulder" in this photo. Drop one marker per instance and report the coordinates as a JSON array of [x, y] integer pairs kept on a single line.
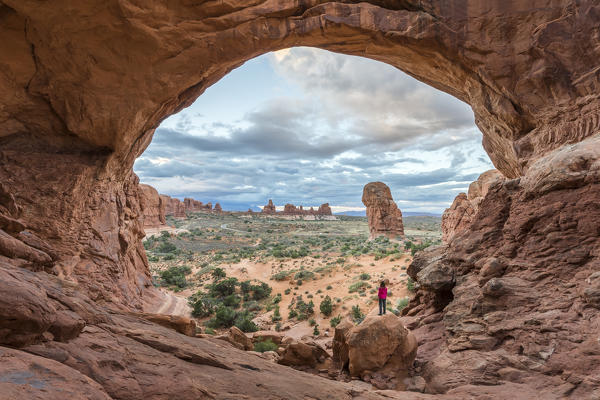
[[303, 354], [183, 325], [236, 336], [261, 336], [384, 216], [379, 344]]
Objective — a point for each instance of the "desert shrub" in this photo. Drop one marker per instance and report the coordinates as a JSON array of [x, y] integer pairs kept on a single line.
[[223, 288], [176, 276], [304, 275], [358, 286], [152, 258], [357, 314], [224, 317], [410, 284], [276, 315], [201, 307], [281, 276], [167, 247], [312, 322], [329, 287], [299, 283], [232, 300], [277, 298], [402, 303], [364, 276], [292, 314], [244, 322], [266, 345], [218, 273], [316, 331], [334, 321], [287, 291], [326, 306], [169, 257], [261, 291], [209, 331]]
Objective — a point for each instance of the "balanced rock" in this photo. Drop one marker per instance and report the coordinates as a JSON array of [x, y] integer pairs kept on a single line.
[[385, 218], [379, 344]]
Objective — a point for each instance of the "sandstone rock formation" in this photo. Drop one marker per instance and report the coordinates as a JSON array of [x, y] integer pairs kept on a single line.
[[290, 209], [380, 344], [384, 216], [269, 208], [218, 208], [84, 85], [173, 207], [152, 206], [459, 216], [511, 299]]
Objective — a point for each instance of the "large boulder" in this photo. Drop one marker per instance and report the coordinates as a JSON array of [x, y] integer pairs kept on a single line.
[[303, 354], [183, 325], [379, 344], [385, 218]]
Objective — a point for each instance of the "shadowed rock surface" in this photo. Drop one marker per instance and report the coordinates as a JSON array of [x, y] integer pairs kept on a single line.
[[84, 85]]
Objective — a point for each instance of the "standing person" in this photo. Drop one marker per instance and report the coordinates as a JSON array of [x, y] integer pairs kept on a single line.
[[382, 297]]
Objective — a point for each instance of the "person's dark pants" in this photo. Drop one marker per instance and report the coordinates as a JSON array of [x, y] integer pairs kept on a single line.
[[382, 306]]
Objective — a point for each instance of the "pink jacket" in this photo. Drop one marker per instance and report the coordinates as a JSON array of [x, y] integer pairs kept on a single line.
[[382, 293]]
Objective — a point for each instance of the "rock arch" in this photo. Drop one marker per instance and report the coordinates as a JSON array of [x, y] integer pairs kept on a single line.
[[84, 84], [84, 87]]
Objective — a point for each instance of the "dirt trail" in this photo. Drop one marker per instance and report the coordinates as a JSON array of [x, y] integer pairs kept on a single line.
[[174, 305]]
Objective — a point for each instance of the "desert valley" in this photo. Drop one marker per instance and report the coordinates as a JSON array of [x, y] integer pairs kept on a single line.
[[126, 274]]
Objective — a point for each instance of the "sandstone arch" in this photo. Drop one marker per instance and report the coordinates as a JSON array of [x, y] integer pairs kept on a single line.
[[83, 85]]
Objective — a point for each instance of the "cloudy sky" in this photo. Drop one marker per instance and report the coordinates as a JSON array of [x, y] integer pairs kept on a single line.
[[307, 126]]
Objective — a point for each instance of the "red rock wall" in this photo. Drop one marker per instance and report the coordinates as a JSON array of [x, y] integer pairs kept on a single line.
[[516, 297], [152, 207]]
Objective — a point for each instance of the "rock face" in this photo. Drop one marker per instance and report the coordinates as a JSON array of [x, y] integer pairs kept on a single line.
[[380, 344], [152, 207], [513, 298], [459, 216], [84, 85], [218, 208], [173, 207], [385, 218]]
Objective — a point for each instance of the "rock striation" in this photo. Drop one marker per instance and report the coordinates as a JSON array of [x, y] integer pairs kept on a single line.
[[84, 86], [461, 213], [384, 216]]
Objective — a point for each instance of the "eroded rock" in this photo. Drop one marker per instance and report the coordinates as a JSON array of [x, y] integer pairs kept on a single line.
[[385, 218]]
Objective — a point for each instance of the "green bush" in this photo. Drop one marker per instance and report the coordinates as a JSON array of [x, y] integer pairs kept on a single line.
[[402, 303], [410, 284], [304, 275], [232, 300], [358, 286], [281, 276], [335, 321], [357, 314], [224, 317], [176, 276], [267, 345], [223, 288], [287, 291], [364, 276], [201, 307], [316, 331], [167, 247], [245, 324], [326, 306], [312, 322], [218, 273]]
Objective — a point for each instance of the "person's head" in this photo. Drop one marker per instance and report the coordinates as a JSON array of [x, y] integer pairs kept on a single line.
[[382, 284]]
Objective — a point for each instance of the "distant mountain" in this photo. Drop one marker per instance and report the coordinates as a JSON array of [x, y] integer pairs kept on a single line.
[[352, 213]]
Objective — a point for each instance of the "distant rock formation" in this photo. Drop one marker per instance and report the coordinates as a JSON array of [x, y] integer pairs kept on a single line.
[[461, 213], [192, 205], [217, 208], [269, 208], [290, 209], [152, 205], [385, 218], [173, 207]]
